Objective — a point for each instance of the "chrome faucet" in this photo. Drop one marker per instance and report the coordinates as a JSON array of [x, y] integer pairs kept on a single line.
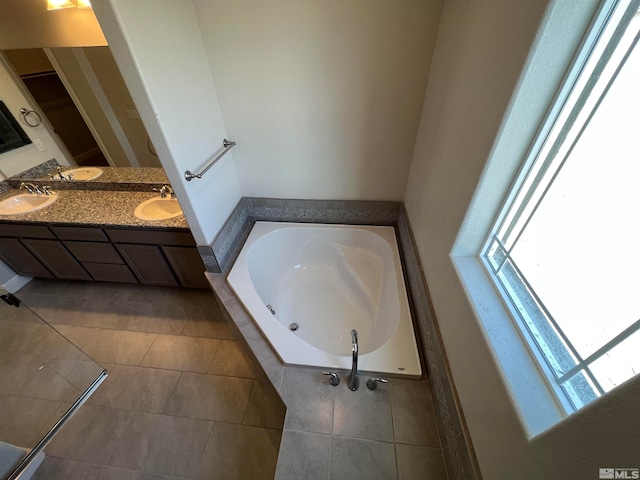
[[165, 190], [62, 177], [31, 188], [353, 382]]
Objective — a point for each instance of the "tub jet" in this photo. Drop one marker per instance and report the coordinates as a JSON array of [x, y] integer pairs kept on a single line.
[[293, 327], [271, 309]]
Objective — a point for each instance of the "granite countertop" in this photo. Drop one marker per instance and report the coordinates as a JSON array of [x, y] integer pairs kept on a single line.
[[93, 208]]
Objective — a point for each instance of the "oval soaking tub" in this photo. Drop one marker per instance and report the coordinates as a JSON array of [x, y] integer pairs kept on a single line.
[[308, 285]]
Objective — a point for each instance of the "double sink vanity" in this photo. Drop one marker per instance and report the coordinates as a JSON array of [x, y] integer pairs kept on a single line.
[[100, 224]]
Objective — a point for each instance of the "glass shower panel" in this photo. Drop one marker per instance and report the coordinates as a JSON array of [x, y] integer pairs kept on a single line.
[[42, 375]]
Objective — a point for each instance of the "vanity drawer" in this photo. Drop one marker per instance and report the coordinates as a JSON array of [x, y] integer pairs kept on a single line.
[[150, 237], [80, 233], [94, 252], [110, 273], [25, 231]]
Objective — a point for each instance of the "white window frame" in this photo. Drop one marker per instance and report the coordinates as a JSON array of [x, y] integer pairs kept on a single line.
[[537, 400], [540, 168]]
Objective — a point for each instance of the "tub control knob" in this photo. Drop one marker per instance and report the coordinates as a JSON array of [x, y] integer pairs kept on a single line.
[[334, 380], [372, 383]]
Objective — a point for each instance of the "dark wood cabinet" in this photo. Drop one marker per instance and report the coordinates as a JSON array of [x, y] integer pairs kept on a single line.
[[153, 253], [94, 252], [21, 260], [153, 257], [148, 264], [101, 260], [187, 264], [105, 272], [54, 255]]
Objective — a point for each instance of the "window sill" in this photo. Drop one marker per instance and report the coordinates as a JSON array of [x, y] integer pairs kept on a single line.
[[531, 396]]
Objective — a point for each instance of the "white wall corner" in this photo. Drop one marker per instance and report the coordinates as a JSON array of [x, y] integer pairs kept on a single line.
[[166, 70]]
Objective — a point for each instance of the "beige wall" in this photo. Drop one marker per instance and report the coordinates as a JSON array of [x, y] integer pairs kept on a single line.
[[30, 60], [323, 97], [28, 24], [481, 49], [120, 101]]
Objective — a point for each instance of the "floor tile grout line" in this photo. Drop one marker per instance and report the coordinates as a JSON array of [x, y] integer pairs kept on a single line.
[[158, 332], [139, 364], [163, 413], [173, 390], [82, 462], [123, 430], [146, 412], [204, 447], [246, 408], [395, 457], [330, 455], [213, 357]]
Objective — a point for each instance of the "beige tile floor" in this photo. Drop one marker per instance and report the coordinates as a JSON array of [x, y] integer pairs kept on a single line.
[[182, 401]]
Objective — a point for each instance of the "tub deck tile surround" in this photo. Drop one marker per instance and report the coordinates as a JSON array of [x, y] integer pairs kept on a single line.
[[227, 244], [419, 437]]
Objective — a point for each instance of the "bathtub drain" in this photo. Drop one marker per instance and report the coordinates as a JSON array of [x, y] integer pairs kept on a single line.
[[293, 327]]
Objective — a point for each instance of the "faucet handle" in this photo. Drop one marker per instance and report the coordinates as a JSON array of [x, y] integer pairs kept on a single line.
[[372, 383], [46, 189], [334, 380], [164, 190]]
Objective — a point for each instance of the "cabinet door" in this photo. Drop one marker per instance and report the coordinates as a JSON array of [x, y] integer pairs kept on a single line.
[[187, 264], [21, 260], [57, 259], [93, 252], [148, 263], [104, 272]]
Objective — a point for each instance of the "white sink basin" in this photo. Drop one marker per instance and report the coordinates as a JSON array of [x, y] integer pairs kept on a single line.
[[158, 208], [84, 173], [26, 203]]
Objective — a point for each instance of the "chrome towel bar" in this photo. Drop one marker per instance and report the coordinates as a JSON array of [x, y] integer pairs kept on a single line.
[[227, 146]]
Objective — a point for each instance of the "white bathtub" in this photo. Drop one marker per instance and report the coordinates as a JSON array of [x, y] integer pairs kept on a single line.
[[328, 279]]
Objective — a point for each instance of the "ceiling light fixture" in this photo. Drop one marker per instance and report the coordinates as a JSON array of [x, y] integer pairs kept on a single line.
[[58, 4]]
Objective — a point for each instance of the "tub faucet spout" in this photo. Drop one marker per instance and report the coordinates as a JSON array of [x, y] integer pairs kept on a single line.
[[353, 381]]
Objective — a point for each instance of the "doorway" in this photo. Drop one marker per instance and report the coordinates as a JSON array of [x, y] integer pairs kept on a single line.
[[43, 82]]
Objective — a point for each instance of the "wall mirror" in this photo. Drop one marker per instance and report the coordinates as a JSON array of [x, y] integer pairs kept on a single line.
[[79, 91]]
